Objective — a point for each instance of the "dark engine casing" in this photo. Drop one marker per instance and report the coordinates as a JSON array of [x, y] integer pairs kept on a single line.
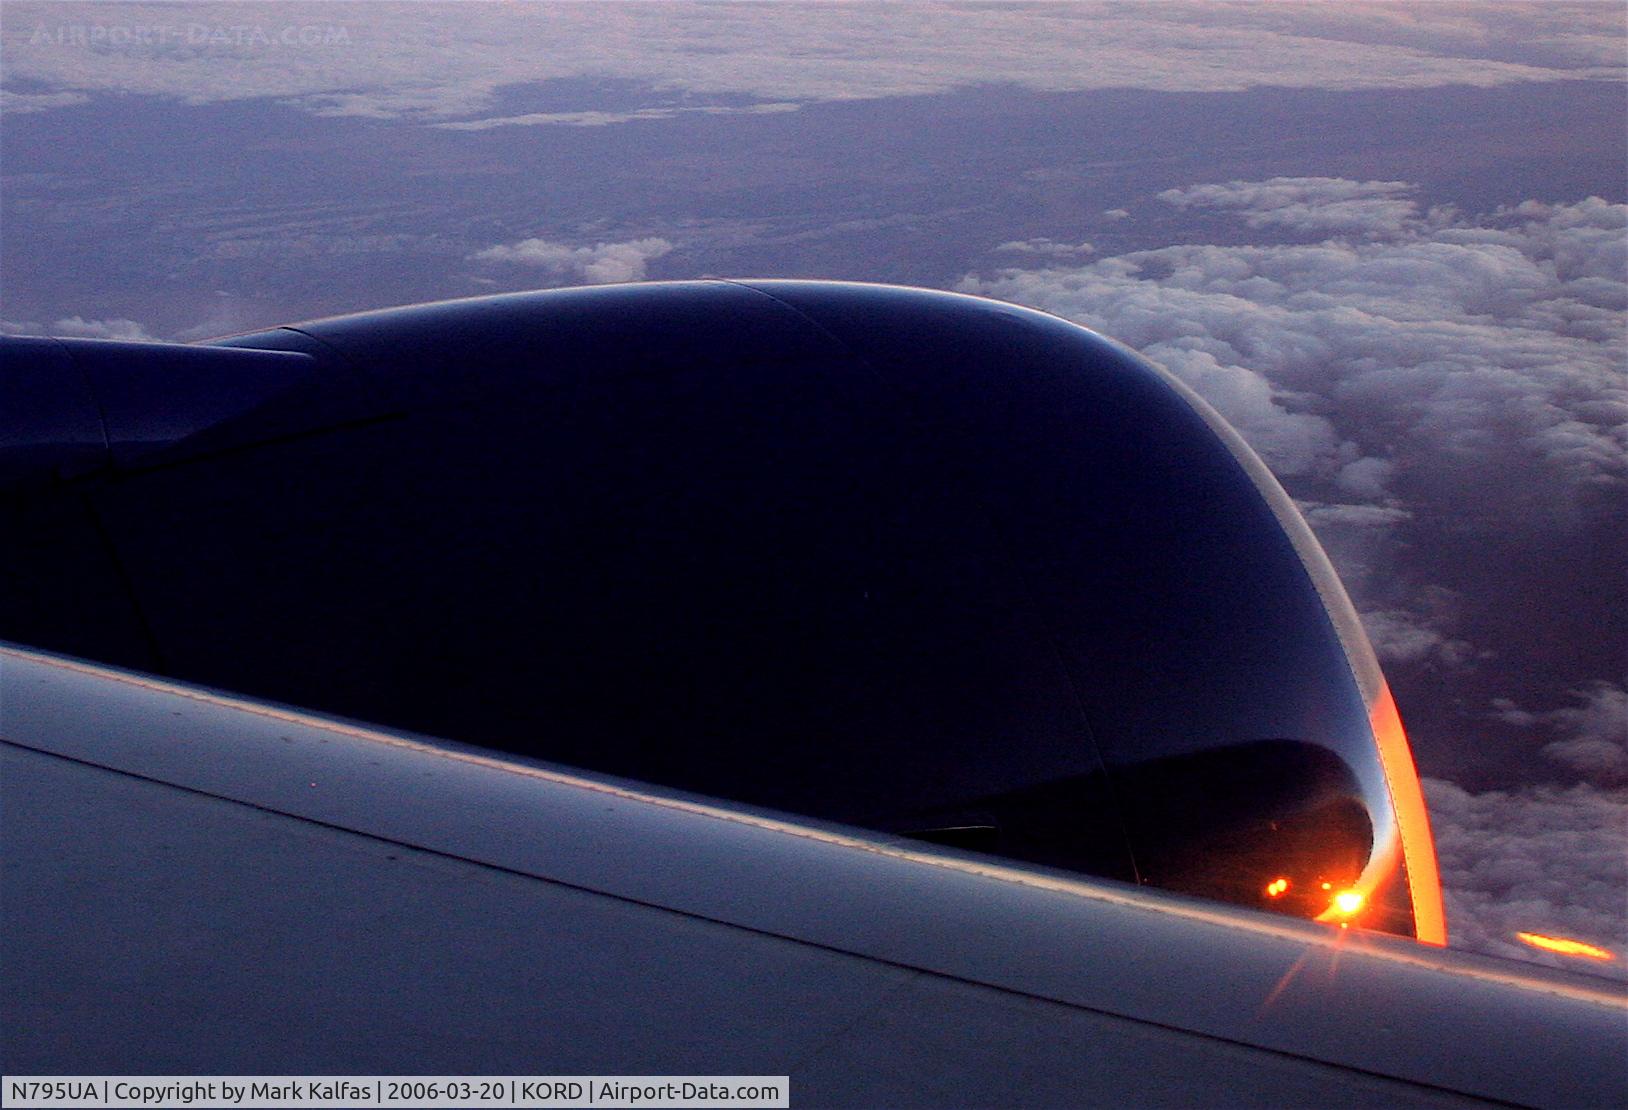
[[913, 561]]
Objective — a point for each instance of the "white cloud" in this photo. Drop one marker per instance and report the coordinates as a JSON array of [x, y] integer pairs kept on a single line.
[[598, 264], [1404, 636], [1321, 515], [606, 119], [77, 327], [1597, 745], [440, 62], [1541, 860], [13, 103], [1365, 478], [1435, 344], [1593, 733], [1317, 204], [1045, 248], [120, 328]]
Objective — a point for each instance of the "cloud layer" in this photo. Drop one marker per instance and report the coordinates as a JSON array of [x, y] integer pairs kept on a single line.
[[1410, 335], [445, 61]]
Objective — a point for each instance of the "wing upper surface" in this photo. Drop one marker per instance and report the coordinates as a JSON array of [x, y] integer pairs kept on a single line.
[[340, 891]]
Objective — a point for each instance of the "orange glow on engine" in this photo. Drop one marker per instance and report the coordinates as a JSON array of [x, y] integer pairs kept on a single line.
[[1564, 946], [1348, 902], [1276, 887], [1413, 822]]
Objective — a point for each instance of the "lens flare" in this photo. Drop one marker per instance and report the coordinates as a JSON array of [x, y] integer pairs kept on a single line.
[[1276, 887], [1348, 902]]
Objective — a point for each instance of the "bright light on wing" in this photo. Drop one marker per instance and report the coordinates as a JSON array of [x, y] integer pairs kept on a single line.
[[1348, 902], [1565, 946]]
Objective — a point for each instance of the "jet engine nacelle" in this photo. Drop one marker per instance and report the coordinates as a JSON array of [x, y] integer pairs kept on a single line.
[[914, 561]]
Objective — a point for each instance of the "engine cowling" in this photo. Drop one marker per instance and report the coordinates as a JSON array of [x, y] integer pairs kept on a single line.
[[915, 561]]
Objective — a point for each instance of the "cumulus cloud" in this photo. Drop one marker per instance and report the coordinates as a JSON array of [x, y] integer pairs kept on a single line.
[[1317, 204], [599, 264], [1404, 636], [1597, 742], [1366, 477], [1592, 732], [444, 61], [1545, 860], [1491, 342]]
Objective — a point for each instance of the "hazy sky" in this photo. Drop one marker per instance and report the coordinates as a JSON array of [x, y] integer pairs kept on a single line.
[[1386, 241]]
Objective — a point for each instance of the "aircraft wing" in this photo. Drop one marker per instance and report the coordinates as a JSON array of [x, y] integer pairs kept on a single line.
[[932, 572], [199, 883]]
